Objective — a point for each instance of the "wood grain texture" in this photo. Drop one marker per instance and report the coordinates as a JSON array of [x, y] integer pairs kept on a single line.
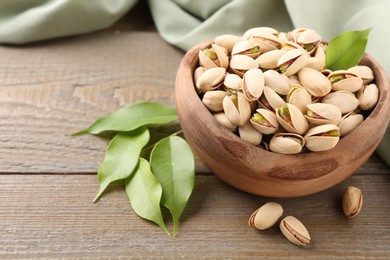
[[50, 216]]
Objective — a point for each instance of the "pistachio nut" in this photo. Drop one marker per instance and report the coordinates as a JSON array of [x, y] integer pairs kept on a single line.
[[213, 100], [290, 45], [264, 121], [259, 31], [198, 71], [285, 37], [344, 100], [363, 72], [216, 56], [270, 99], [232, 83], [239, 64], [299, 97], [249, 134], [349, 122], [286, 143], [292, 119], [295, 231], [293, 61], [275, 81], [318, 61], [266, 216], [322, 137], [344, 80], [246, 47], [352, 201], [223, 120], [227, 41], [291, 80], [309, 39], [314, 82], [210, 79], [269, 60], [253, 84], [322, 113], [267, 41], [237, 109], [368, 96]]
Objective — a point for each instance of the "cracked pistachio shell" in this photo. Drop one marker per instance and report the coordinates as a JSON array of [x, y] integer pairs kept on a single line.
[[253, 84], [314, 82], [293, 61], [265, 121], [223, 120], [292, 119], [344, 80], [198, 71], [267, 41], [290, 45], [213, 100], [216, 56], [322, 137], [363, 72], [295, 231], [247, 47], [368, 96], [266, 216], [318, 61], [269, 60], [259, 31], [322, 113], [237, 109], [227, 41], [309, 39], [233, 83], [270, 99], [241, 63], [286, 143], [275, 81], [299, 97], [349, 122], [352, 201], [344, 100], [249, 134], [210, 79]]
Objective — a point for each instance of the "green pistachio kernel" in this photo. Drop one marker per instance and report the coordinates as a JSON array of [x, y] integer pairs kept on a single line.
[[332, 133], [255, 49], [210, 53], [284, 112], [234, 98], [337, 78], [260, 119], [309, 46]]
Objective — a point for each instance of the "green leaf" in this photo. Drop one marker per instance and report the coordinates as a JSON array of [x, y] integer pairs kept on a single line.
[[173, 163], [144, 192], [346, 50], [121, 157], [132, 117]]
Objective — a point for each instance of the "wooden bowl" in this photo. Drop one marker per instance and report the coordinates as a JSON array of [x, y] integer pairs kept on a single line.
[[254, 170]]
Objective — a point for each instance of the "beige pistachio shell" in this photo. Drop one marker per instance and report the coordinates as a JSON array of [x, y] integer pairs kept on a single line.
[[287, 143], [352, 201], [292, 119], [198, 71], [213, 100], [270, 99], [293, 61], [227, 41], [322, 137], [309, 39], [259, 31], [368, 96], [211, 79], [241, 63], [208, 58], [285, 37], [290, 45], [275, 81], [247, 47], [314, 82], [322, 113], [344, 100], [344, 80], [222, 54], [349, 122], [269, 60], [264, 121], [363, 72], [295, 231], [267, 41], [237, 109], [223, 120], [232, 83], [266, 216], [291, 80], [299, 97], [249, 134], [253, 84], [318, 61]]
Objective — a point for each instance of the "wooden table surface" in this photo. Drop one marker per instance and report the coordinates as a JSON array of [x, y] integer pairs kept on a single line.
[[48, 178]]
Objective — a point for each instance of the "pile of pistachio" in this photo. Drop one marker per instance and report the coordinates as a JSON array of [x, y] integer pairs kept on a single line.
[[273, 90]]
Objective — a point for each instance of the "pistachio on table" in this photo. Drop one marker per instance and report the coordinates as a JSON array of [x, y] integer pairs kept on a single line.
[[295, 231], [266, 216], [352, 201]]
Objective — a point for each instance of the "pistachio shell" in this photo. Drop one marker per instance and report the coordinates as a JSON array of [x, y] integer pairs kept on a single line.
[[213, 100], [290, 45], [233, 83], [237, 109], [352, 201], [286, 143], [247, 47], [241, 63], [198, 71], [295, 231], [253, 84], [291, 80], [322, 113], [269, 60], [210, 79], [259, 30], [223, 120], [344, 80], [205, 60], [363, 72], [275, 81], [344, 100], [292, 119], [266, 216], [314, 82], [270, 99], [309, 39], [265, 121], [222, 54], [322, 137], [349, 122], [299, 97], [227, 41], [285, 37], [293, 61], [249, 134], [368, 96], [267, 41]]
